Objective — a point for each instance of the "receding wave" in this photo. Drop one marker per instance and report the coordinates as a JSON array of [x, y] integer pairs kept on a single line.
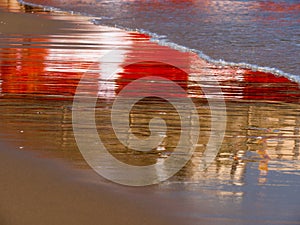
[[164, 41]]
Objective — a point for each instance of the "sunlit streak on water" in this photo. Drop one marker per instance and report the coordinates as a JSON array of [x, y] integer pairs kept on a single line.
[[263, 33]]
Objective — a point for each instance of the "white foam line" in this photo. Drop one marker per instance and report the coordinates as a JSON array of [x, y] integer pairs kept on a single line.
[[163, 41], [54, 9], [45, 7]]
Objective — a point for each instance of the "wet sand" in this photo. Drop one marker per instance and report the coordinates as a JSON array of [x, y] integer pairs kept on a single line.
[[36, 190], [40, 70], [39, 191]]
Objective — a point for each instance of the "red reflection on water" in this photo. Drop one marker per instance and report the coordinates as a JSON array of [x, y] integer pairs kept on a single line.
[[28, 70], [267, 86], [257, 85], [24, 70], [157, 69], [281, 12], [149, 59], [279, 6]]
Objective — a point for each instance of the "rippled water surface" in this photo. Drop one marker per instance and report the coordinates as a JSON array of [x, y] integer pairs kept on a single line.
[[255, 178], [259, 32]]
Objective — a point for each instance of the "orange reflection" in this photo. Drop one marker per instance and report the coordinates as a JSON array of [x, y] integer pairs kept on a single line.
[[24, 71], [263, 163], [22, 68]]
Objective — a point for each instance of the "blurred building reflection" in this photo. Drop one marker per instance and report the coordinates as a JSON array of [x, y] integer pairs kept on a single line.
[[260, 106]]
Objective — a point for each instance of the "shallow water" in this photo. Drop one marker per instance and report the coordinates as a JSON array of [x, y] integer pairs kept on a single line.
[[255, 177], [259, 32]]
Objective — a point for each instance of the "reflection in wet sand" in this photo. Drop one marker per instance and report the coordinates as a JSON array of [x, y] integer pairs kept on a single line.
[[39, 75]]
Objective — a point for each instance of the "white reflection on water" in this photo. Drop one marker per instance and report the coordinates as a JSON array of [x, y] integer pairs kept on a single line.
[[263, 33]]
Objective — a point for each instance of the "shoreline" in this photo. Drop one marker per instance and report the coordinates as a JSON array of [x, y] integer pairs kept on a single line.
[[45, 129], [38, 189], [157, 38], [43, 189]]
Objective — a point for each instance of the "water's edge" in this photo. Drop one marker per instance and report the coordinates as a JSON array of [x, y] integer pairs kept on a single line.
[[163, 41]]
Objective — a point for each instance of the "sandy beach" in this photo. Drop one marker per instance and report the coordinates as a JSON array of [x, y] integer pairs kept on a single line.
[[39, 191], [36, 190], [45, 179]]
